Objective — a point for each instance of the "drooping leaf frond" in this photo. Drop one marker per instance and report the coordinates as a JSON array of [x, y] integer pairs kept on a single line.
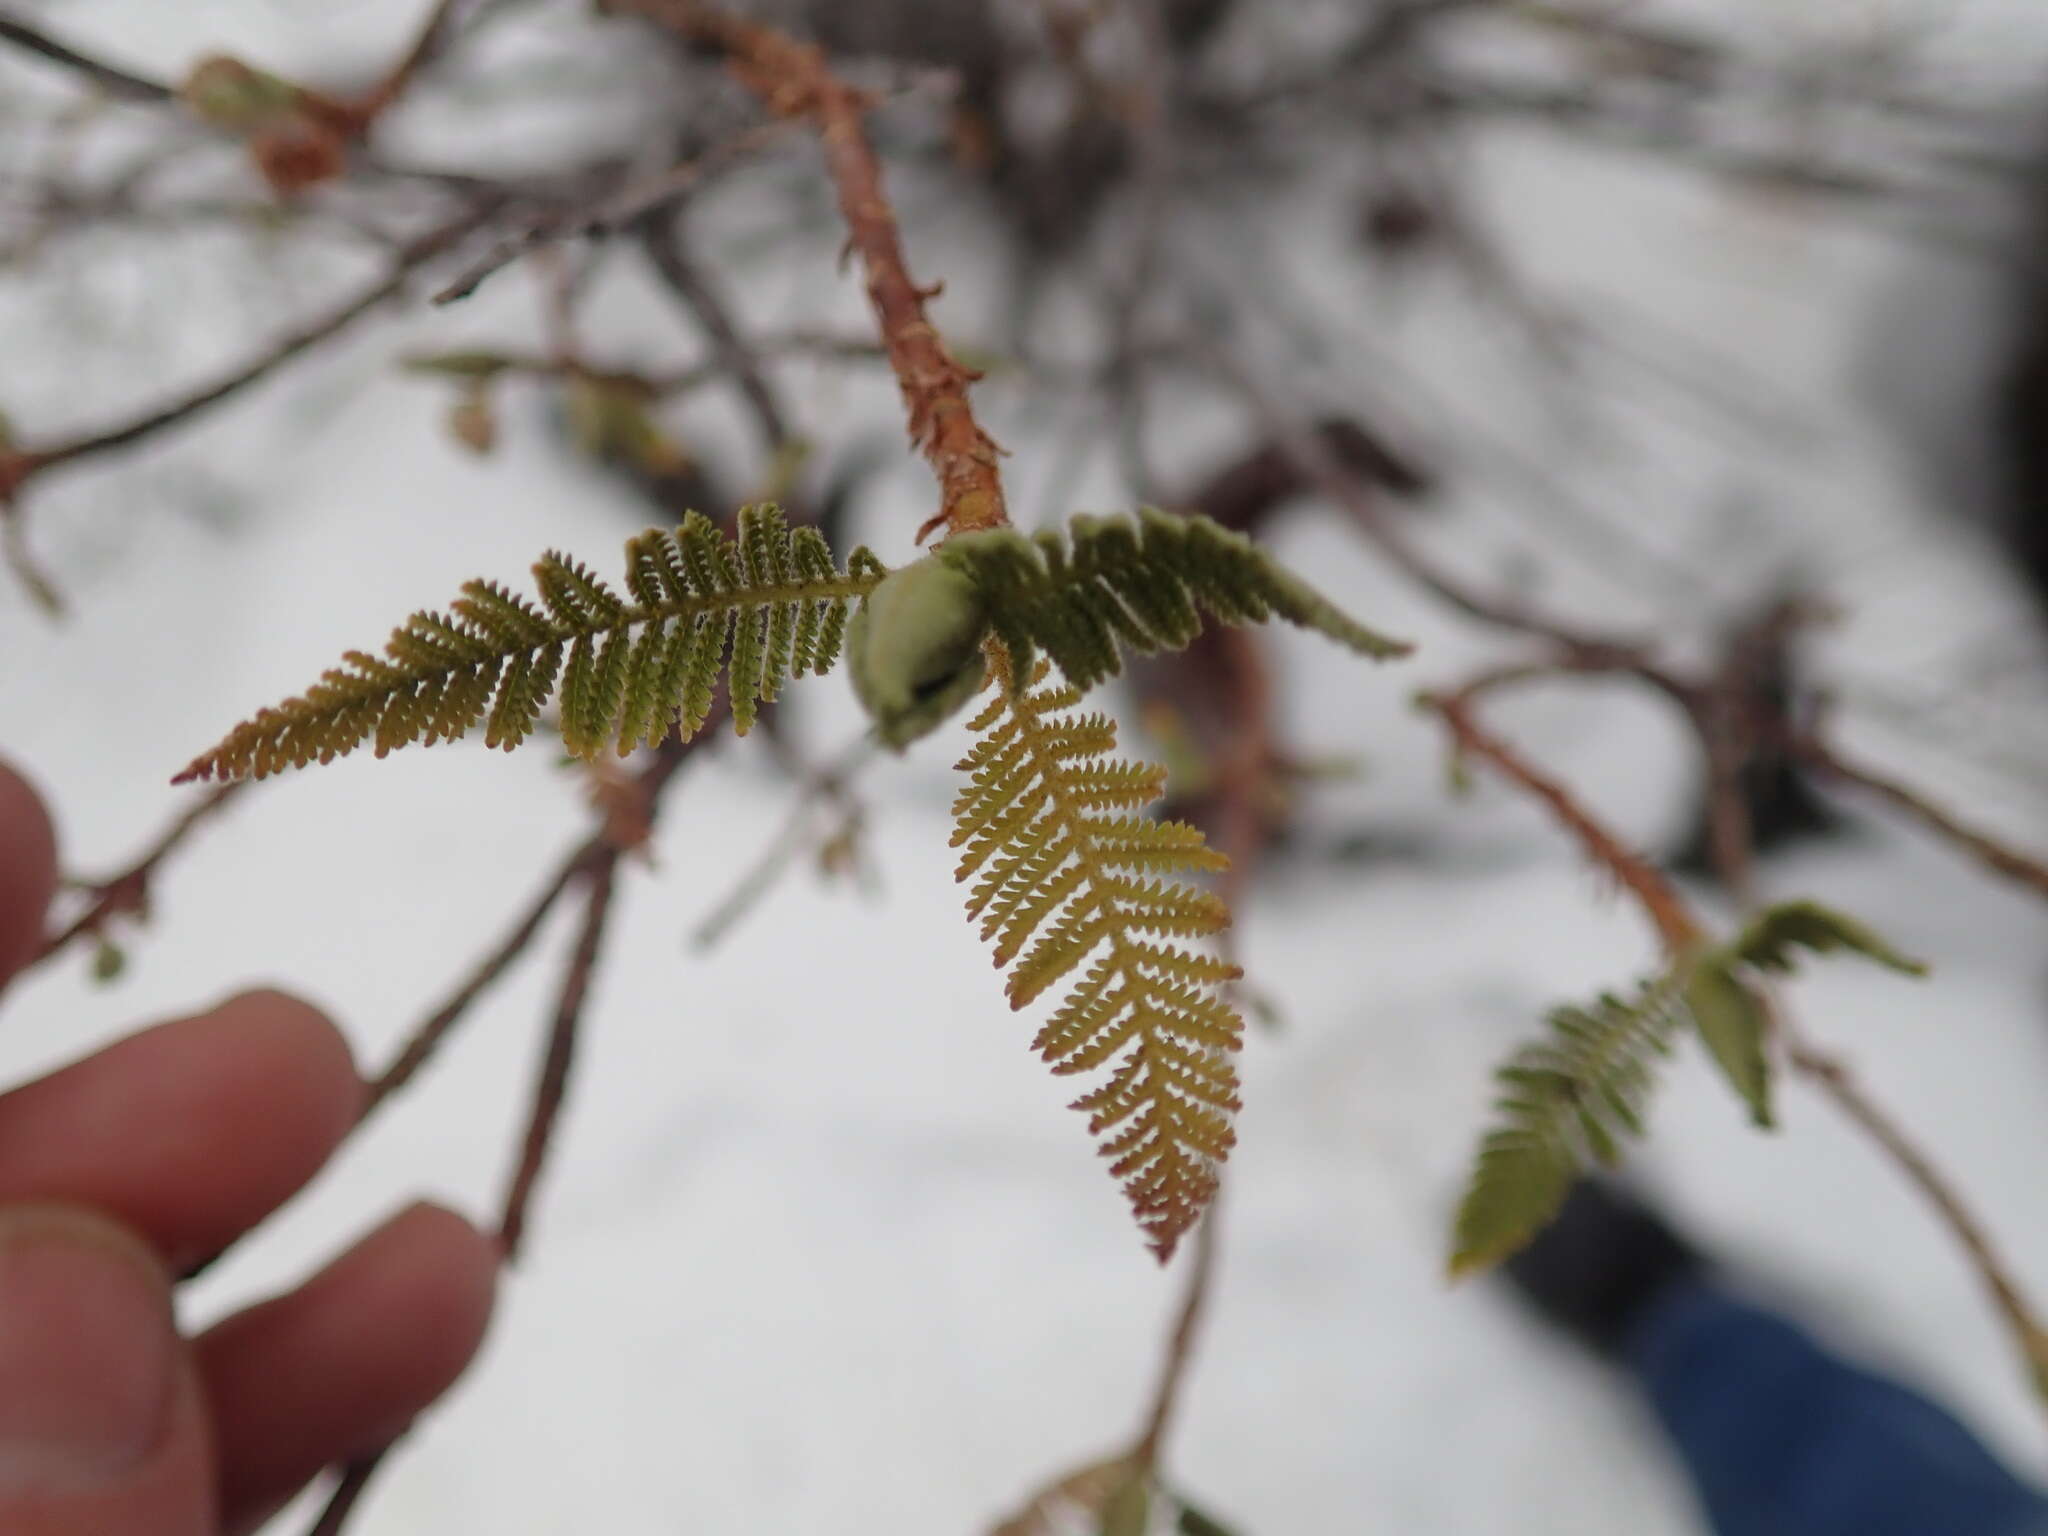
[[1565, 1101], [1142, 582], [1769, 940], [766, 606], [1067, 872]]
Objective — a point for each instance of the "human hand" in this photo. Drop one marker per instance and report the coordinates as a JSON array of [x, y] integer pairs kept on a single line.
[[122, 1169]]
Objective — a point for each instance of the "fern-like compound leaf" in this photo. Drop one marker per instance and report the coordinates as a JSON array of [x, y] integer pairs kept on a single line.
[[1139, 582], [1068, 877], [1566, 1100], [766, 606]]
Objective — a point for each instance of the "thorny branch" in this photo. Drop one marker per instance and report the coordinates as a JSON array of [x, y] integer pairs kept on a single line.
[[794, 81]]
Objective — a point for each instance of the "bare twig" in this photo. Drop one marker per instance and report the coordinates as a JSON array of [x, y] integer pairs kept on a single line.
[[602, 877], [128, 892], [662, 240], [612, 213], [1834, 1078], [1676, 928], [794, 81], [597, 862], [430, 40], [108, 77], [1994, 855], [827, 783], [1179, 1346], [28, 462], [1329, 474], [355, 1481], [426, 1039]]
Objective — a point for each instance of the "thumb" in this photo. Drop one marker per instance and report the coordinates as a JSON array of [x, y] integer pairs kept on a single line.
[[101, 1428]]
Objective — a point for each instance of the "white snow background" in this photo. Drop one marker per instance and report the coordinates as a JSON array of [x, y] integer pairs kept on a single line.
[[820, 1250]]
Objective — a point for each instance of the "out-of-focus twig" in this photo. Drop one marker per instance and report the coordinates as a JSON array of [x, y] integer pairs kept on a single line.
[[128, 892], [1998, 856], [1180, 1344], [22, 464], [1677, 930], [661, 238], [108, 77], [613, 211], [596, 864]]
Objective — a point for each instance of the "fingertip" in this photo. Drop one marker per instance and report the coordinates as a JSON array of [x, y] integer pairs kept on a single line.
[[296, 1056], [450, 1270], [28, 870], [191, 1131], [344, 1363]]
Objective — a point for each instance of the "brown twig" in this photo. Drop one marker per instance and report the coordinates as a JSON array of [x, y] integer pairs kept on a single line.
[[661, 240], [1833, 1076], [426, 1039], [553, 1083], [1999, 857], [128, 892], [355, 1481], [28, 462], [1676, 928], [1179, 1346], [1324, 469], [431, 38], [597, 862], [535, 1141], [794, 81], [612, 212], [108, 77]]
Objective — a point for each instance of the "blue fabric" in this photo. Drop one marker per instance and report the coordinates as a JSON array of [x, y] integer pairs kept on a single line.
[[1783, 1439]]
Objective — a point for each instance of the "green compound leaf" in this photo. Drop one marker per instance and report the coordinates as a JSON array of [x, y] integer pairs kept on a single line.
[[1139, 582], [1566, 1100], [1067, 873], [758, 609]]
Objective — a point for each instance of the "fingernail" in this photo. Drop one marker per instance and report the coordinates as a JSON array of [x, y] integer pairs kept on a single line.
[[87, 1352]]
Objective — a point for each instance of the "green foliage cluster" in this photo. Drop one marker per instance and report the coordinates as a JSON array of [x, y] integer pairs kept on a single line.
[[1067, 869], [1568, 1099]]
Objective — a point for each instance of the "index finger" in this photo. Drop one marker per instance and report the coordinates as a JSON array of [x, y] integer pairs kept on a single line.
[[28, 871]]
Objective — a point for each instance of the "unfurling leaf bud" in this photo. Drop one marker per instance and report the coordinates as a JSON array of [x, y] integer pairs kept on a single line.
[[915, 649], [229, 94]]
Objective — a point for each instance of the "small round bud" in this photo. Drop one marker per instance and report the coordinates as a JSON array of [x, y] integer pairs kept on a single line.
[[915, 649]]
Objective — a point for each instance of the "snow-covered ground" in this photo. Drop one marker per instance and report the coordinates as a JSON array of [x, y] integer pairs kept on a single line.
[[820, 1249]]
